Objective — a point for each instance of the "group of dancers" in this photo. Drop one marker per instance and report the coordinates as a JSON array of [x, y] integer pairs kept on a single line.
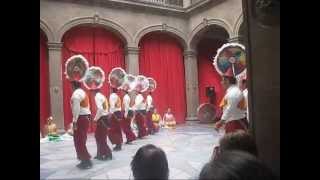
[[113, 114]]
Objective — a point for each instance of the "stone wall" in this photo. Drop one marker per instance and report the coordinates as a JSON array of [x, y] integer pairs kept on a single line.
[[264, 83]]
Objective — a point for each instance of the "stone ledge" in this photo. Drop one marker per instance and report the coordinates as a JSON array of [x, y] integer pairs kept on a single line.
[[54, 45], [131, 50], [189, 53], [173, 8]]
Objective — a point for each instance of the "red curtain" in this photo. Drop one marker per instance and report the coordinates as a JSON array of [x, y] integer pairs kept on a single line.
[[161, 57], [44, 82], [101, 48], [207, 74]]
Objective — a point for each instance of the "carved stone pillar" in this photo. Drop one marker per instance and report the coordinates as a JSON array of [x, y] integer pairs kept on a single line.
[[55, 81], [191, 77], [132, 60]]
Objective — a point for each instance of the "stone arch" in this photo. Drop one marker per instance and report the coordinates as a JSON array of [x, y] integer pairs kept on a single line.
[[47, 30], [96, 20], [194, 35], [182, 38], [239, 22]]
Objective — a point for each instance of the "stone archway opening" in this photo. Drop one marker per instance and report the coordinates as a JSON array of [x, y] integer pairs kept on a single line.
[[161, 57], [101, 47], [206, 43]]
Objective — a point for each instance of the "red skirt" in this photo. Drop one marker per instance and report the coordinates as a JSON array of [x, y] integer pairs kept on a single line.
[[232, 126]]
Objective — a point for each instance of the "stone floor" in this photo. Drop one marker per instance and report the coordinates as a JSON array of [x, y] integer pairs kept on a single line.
[[187, 147]]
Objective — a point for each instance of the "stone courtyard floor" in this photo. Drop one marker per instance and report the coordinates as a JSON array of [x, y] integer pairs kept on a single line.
[[188, 148]]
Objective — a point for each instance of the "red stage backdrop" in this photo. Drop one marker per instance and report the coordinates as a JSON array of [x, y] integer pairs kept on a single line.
[[101, 48], [44, 82], [207, 74], [161, 57]]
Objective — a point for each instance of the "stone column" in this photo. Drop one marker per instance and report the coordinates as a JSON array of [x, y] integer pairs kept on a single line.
[[55, 81], [191, 77], [132, 60]]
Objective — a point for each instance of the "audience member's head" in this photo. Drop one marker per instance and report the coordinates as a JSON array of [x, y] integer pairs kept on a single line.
[[236, 165], [239, 140], [150, 162]]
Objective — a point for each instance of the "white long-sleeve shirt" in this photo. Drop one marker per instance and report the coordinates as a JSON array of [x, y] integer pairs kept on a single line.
[[231, 105], [149, 102], [245, 94], [78, 98], [126, 102], [114, 99], [138, 103], [102, 106]]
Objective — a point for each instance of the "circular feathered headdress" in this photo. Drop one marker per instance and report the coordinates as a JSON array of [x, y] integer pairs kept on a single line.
[[116, 77], [76, 68], [142, 84], [129, 82], [230, 60], [152, 84], [94, 78]]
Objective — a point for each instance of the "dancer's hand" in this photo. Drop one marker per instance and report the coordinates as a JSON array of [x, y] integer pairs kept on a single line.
[[74, 126], [219, 124]]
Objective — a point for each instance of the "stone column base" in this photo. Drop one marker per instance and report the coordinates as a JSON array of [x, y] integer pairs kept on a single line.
[[192, 118]]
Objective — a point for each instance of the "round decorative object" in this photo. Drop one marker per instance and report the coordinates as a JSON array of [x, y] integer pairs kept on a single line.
[[152, 84], [95, 78], [129, 82], [206, 113], [142, 84], [76, 68], [116, 77], [230, 56]]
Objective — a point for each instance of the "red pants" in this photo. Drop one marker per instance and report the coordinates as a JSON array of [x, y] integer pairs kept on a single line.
[[101, 137], [140, 120], [149, 123], [115, 134], [232, 126], [80, 137], [126, 127]]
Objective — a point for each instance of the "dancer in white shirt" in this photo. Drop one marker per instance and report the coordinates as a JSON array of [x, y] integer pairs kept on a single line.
[[128, 115], [94, 81], [115, 134], [140, 115], [76, 68], [233, 105]]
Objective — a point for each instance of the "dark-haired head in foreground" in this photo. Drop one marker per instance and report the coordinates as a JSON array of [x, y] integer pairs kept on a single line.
[[150, 162], [236, 165], [236, 141], [239, 140]]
